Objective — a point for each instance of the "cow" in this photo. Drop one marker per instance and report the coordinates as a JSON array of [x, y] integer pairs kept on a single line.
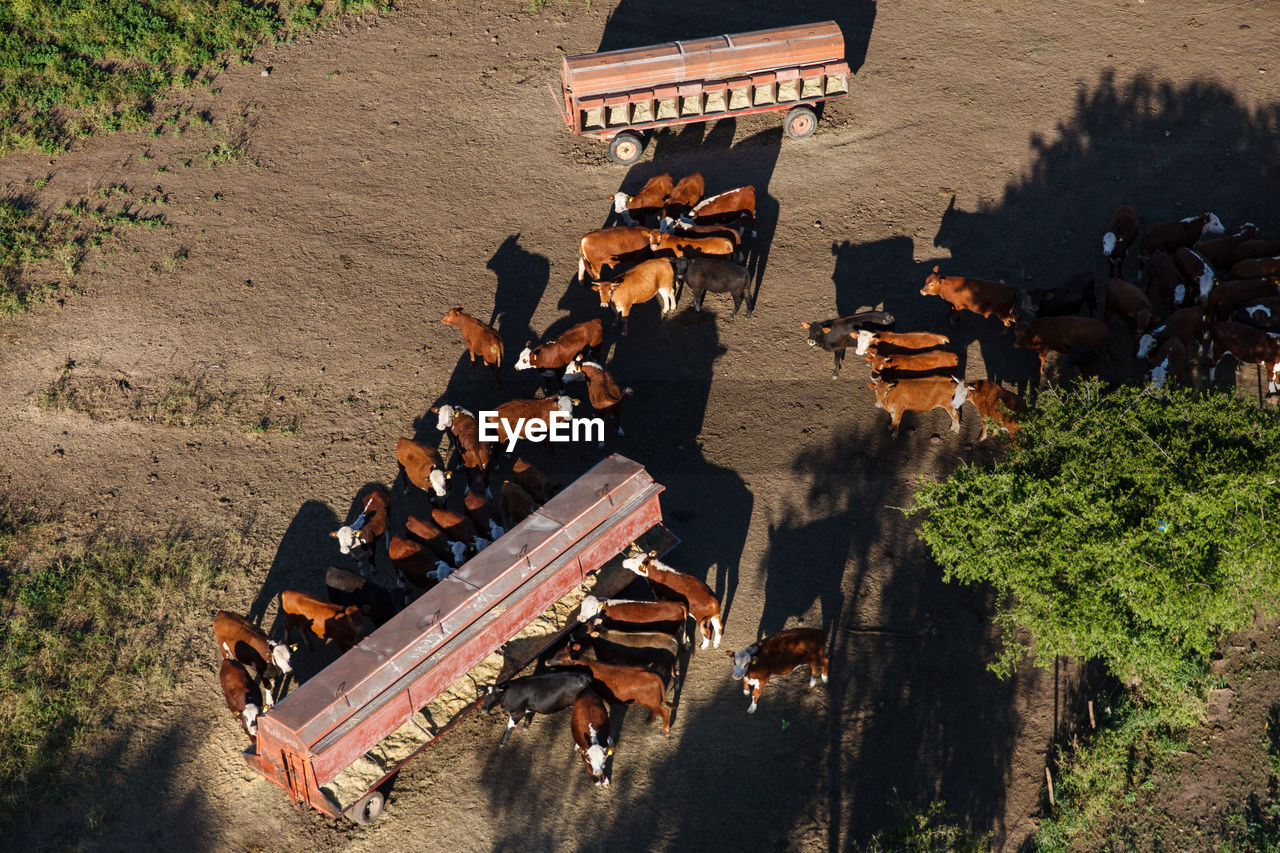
[[779, 654], [684, 196], [1169, 361], [1221, 251], [603, 392], [347, 588], [891, 342], [736, 207], [1249, 346], [1230, 296], [648, 202], [360, 537], [1196, 273], [477, 455], [679, 244], [1121, 233], [703, 605], [1255, 268], [1171, 236], [716, 276], [1133, 306], [241, 640], [511, 413], [533, 481], [993, 402], [481, 340], [1059, 334], [517, 503], [421, 465], [242, 697], [627, 685], [915, 395], [459, 528], [444, 546], [1261, 314], [837, 334], [654, 277], [309, 615], [1254, 249], [915, 361], [416, 563], [1065, 299], [709, 231], [650, 614], [553, 356], [1186, 324], [485, 515], [657, 650], [982, 297], [611, 248], [589, 724], [1164, 280], [542, 693]]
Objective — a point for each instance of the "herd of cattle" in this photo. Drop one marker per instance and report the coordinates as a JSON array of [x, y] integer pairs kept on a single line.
[[621, 651], [1199, 281]]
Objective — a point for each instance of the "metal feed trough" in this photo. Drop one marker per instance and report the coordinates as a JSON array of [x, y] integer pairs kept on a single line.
[[334, 739], [619, 95]]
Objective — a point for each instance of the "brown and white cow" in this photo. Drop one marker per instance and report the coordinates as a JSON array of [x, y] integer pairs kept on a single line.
[[533, 481], [610, 248], [360, 537], [1169, 361], [416, 562], [1253, 249], [484, 513], [684, 196], [444, 546], [1249, 346], [917, 360], [242, 696], [1221, 251], [481, 340], [1131, 304], [654, 277], [779, 654], [517, 503], [1197, 273], [679, 244], [589, 724], [1164, 280], [1230, 296], [477, 455], [915, 395], [899, 343], [421, 465], [703, 605], [736, 207], [603, 391], [1121, 233], [635, 612], [241, 640], [553, 356], [1186, 324], [516, 416], [648, 202], [1171, 236], [993, 402], [629, 685], [309, 615], [1255, 268], [982, 297], [1060, 334]]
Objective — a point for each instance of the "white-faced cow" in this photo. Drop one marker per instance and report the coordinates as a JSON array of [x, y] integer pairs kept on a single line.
[[603, 391], [1249, 346], [779, 654], [1121, 233], [1171, 236], [242, 697], [993, 402], [589, 725], [241, 640], [703, 605], [477, 455], [421, 465], [648, 202], [360, 537]]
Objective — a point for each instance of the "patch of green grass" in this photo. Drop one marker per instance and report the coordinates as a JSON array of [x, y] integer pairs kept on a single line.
[[86, 630], [927, 830], [29, 237]]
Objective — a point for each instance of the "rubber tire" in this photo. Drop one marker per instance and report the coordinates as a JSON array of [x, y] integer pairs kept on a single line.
[[367, 808], [622, 146], [800, 122]]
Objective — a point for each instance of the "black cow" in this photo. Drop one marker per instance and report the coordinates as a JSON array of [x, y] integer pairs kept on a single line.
[[835, 335], [347, 589], [1065, 299], [717, 276], [544, 693]]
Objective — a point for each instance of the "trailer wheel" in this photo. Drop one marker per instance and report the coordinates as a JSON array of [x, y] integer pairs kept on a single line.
[[367, 808], [800, 122], [626, 148]]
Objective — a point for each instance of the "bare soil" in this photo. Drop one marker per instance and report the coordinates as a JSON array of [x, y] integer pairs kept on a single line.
[[399, 165]]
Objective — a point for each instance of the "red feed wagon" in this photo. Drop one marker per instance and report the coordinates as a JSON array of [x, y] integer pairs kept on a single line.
[[618, 95], [337, 737]]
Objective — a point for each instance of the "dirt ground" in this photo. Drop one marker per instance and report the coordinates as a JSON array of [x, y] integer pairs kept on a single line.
[[409, 162]]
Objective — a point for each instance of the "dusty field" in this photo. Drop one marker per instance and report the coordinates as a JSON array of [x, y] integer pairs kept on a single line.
[[412, 162]]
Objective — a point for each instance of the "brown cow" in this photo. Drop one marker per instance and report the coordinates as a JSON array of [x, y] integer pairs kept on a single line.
[[684, 196], [611, 248], [1059, 334], [1169, 361], [648, 202], [982, 297], [915, 395], [517, 504], [1232, 295], [242, 696], [445, 547], [1196, 273], [245, 643], [1251, 249], [459, 528], [589, 724], [779, 654], [360, 537], [889, 343], [533, 481], [556, 354], [654, 277], [1171, 236], [1164, 280], [629, 685], [679, 244], [1255, 268], [709, 231], [1221, 251], [736, 207], [603, 391], [416, 563], [477, 455], [993, 403], [421, 465], [1131, 304], [481, 339], [635, 612], [485, 515], [309, 615], [1249, 346], [1121, 233], [1187, 325], [915, 360], [515, 417], [703, 605]]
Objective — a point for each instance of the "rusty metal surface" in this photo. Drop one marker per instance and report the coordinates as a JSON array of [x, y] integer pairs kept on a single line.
[[706, 59]]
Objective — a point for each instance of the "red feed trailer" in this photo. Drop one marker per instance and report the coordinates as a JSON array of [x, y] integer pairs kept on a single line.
[[332, 720], [620, 94]]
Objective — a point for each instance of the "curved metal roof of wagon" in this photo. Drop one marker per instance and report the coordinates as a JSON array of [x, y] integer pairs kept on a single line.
[[704, 59]]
